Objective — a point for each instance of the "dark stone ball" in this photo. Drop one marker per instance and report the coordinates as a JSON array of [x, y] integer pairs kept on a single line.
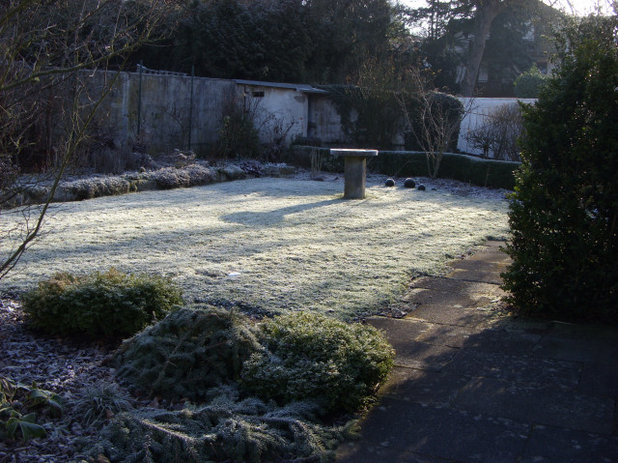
[[389, 182], [421, 188], [409, 183]]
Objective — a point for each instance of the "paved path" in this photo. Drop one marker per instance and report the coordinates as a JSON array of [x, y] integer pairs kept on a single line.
[[472, 384]]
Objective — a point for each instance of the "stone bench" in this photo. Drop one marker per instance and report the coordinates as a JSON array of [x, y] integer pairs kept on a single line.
[[355, 170]]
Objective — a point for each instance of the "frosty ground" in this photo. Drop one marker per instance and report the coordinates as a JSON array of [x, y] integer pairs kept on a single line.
[[269, 244]]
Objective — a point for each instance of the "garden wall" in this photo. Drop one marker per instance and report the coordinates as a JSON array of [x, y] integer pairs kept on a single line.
[[160, 111]]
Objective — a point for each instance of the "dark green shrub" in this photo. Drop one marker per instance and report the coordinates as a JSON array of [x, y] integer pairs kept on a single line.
[[564, 212], [482, 172], [311, 356], [530, 83], [376, 114], [108, 304], [187, 353]]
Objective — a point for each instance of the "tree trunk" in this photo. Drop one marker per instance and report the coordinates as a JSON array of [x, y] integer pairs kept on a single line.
[[486, 12]]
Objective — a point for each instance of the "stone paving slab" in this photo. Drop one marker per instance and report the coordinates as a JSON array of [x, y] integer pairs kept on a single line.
[[549, 444], [485, 265], [601, 380], [406, 428], [400, 330], [424, 387], [578, 349], [451, 302], [473, 384], [494, 339], [536, 404], [519, 369], [446, 335], [411, 353]]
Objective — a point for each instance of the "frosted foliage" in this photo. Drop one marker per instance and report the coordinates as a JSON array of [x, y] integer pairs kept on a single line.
[[186, 354], [270, 243], [225, 430]]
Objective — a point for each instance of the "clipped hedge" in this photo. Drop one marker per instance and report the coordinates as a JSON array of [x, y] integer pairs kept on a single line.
[[314, 357], [100, 304], [482, 172]]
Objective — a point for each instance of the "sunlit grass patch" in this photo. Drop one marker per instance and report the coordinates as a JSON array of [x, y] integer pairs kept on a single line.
[[271, 244]]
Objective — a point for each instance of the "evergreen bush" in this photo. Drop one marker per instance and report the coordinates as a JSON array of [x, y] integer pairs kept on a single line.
[[564, 212], [482, 172], [227, 429], [314, 357], [187, 353], [101, 304], [530, 83]]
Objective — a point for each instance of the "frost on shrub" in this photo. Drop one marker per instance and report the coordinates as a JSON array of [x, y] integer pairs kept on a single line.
[[187, 353], [94, 187], [108, 304], [226, 429], [311, 356], [171, 177]]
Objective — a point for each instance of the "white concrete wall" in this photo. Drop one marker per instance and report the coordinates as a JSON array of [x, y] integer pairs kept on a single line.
[[279, 111], [477, 111]]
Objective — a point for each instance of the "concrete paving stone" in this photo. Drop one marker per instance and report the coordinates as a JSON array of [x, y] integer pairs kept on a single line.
[[503, 340], [398, 329], [425, 387], [414, 354], [549, 444], [604, 333], [445, 335], [397, 428], [481, 271], [447, 285], [454, 314], [600, 380], [453, 302], [525, 325], [401, 333], [521, 369], [536, 404], [492, 251], [576, 350]]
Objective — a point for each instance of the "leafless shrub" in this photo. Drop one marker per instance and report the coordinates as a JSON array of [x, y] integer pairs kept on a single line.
[[499, 134], [46, 104]]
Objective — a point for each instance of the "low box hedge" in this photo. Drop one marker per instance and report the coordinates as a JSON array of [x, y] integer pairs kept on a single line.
[[482, 172]]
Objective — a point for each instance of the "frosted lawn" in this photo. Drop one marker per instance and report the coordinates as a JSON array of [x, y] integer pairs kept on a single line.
[[270, 244]]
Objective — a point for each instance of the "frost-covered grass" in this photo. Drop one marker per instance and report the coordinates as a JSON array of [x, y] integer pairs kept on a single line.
[[271, 244]]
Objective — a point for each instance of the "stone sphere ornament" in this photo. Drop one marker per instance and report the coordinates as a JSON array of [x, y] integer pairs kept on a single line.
[[409, 183], [389, 182]]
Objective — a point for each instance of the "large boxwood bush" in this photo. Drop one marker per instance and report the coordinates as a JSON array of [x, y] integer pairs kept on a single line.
[[311, 356], [564, 212], [100, 304]]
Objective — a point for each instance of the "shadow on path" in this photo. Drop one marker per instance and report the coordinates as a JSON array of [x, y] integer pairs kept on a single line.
[[474, 384]]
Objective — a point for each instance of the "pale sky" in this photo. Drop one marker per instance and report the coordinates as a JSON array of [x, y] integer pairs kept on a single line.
[[580, 7]]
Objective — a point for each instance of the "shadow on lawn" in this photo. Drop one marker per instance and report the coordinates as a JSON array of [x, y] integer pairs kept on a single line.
[[276, 216]]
